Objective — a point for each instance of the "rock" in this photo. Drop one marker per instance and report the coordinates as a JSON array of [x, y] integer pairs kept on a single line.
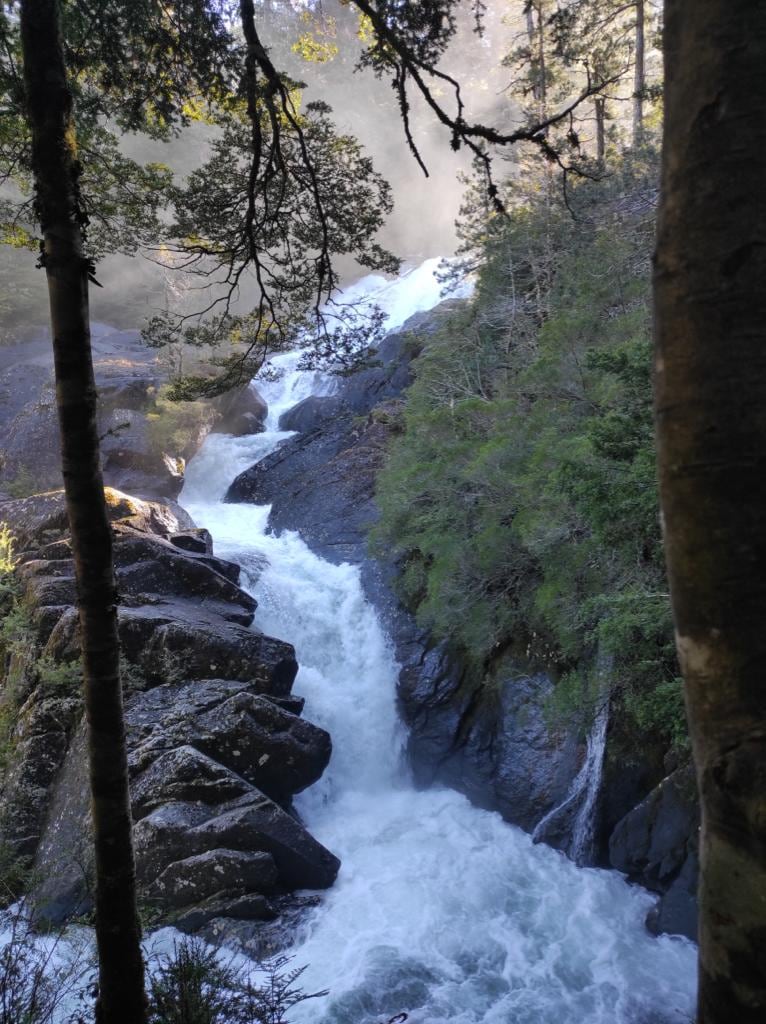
[[190, 881], [655, 844], [313, 412], [251, 736], [198, 541], [240, 908], [323, 484], [41, 519], [176, 831], [212, 728], [40, 739], [63, 866], [30, 439], [195, 650], [131, 458], [242, 411], [501, 754], [182, 774], [302, 862]]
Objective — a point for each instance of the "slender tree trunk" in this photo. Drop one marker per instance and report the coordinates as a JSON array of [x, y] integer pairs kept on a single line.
[[542, 68], [639, 74], [600, 108], [536, 37], [710, 368], [49, 108]]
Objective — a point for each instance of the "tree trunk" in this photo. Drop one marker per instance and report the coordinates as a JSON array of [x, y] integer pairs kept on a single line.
[[536, 37], [542, 94], [56, 170], [600, 107], [639, 74], [710, 372]]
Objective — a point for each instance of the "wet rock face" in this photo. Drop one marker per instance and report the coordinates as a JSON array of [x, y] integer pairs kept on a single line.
[[656, 844], [501, 754], [216, 745]]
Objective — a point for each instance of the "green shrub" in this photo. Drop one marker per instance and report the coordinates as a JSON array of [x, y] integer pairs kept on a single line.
[[194, 985], [520, 495]]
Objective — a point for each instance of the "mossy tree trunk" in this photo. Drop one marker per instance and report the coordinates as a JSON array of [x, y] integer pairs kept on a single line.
[[710, 300], [56, 171]]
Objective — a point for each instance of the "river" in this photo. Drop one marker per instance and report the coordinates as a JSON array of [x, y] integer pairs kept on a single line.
[[441, 910]]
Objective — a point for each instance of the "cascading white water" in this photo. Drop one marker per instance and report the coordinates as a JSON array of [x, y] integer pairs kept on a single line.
[[441, 910], [582, 794]]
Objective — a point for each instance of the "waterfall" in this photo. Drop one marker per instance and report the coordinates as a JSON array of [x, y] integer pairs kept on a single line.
[[579, 803], [441, 910]]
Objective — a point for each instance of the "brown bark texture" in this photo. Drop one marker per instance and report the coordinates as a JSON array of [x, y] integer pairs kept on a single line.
[[121, 996], [710, 376]]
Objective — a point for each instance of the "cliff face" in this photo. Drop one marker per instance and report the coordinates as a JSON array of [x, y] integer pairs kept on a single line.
[[492, 739]]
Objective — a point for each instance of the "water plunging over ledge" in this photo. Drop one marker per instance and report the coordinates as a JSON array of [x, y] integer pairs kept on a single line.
[[441, 910]]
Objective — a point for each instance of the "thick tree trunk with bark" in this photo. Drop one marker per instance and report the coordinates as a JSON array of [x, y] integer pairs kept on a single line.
[[639, 73], [49, 110], [710, 299]]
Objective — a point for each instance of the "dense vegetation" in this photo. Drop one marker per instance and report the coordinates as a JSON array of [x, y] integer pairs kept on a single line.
[[521, 489]]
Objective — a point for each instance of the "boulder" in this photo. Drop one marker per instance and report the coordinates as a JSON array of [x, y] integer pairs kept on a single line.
[[245, 732], [242, 411], [181, 774], [190, 881], [41, 519], [198, 650], [213, 730], [313, 412], [176, 831]]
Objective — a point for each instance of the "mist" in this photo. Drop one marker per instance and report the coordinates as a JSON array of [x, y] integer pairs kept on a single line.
[[422, 225]]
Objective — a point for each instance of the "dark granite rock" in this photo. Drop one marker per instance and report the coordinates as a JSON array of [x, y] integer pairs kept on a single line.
[[213, 730], [245, 732], [314, 411], [193, 880], [656, 844]]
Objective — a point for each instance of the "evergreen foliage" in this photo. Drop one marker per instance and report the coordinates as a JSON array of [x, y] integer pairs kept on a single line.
[[521, 493]]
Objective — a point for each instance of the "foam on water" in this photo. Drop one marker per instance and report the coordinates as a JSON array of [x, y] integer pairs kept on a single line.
[[440, 909]]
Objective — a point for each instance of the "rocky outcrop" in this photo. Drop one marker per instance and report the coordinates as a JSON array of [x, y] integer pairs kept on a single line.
[[655, 844], [145, 442], [491, 740], [217, 747]]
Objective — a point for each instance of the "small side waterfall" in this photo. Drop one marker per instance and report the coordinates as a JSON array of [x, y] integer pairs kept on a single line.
[[581, 847], [575, 814]]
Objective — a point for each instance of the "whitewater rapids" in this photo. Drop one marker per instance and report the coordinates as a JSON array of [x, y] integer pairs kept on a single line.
[[441, 910]]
